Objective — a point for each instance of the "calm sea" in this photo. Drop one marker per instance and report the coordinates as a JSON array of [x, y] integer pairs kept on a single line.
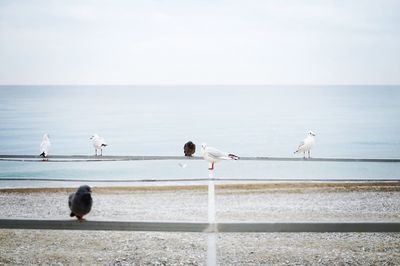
[[349, 121]]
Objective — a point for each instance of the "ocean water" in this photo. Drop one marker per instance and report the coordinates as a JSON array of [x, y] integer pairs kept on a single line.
[[349, 121]]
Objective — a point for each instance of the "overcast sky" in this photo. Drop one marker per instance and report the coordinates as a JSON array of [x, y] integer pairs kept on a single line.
[[200, 42]]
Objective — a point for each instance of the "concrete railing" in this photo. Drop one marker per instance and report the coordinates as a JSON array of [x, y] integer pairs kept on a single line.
[[68, 158], [151, 226]]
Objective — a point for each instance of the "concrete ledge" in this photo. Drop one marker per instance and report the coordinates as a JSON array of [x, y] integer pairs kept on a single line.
[[91, 158], [310, 227], [103, 225], [331, 227], [381, 182]]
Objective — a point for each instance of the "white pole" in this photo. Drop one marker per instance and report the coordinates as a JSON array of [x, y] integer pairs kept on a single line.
[[211, 197], [211, 241], [211, 249]]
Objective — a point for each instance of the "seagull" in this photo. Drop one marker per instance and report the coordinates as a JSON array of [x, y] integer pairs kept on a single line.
[[306, 145], [80, 202], [213, 155], [189, 149], [98, 143], [182, 165], [45, 146]]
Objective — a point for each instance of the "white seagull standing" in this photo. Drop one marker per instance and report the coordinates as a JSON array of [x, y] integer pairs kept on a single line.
[[213, 155], [98, 143], [45, 146], [307, 144]]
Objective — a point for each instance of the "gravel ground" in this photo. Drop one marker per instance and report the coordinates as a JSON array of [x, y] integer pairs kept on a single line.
[[269, 204], [264, 205], [27, 247]]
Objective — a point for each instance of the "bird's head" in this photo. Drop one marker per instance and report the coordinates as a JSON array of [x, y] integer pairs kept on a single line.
[[46, 136], [203, 146], [311, 133], [84, 189], [94, 136], [190, 143]]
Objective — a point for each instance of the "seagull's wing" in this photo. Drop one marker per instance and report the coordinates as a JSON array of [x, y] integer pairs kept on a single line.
[[95, 141], [42, 146], [301, 145], [102, 141], [216, 154], [98, 142], [45, 146]]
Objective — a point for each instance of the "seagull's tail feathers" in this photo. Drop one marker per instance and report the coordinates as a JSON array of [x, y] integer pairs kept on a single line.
[[104, 145], [233, 156], [43, 154]]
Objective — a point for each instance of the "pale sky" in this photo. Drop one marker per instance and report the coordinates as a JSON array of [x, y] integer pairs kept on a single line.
[[200, 42]]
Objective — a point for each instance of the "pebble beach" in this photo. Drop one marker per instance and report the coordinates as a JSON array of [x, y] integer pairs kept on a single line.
[[234, 203]]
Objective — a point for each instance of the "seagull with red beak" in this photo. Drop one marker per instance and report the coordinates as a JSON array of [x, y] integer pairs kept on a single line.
[[213, 155]]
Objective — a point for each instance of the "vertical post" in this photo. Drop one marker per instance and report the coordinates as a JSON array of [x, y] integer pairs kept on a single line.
[[211, 238], [211, 197], [211, 249]]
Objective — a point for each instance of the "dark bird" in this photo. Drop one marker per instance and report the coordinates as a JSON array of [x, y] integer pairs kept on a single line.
[[189, 149], [80, 202]]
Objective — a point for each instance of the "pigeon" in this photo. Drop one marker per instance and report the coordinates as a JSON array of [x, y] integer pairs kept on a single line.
[[45, 146], [189, 149], [80, 202], [306, 145], [213, 155], [98, 143]]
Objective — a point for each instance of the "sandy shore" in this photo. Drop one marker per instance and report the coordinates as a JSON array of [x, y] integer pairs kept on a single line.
[[268, 202]]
